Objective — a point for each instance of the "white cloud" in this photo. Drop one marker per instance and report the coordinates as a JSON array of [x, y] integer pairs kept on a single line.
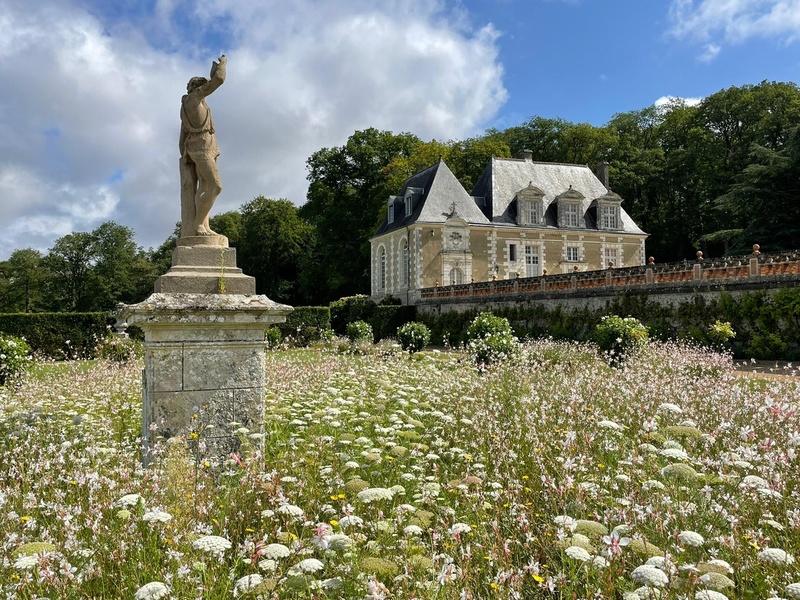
[[734, 21], [666, 101], [710, 52], [89, 126]]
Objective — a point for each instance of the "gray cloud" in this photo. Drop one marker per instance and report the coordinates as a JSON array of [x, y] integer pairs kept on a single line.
[[89, 125]]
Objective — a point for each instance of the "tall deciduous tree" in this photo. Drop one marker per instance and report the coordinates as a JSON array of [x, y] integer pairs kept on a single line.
[[273, 242], [70, 282], [346, 196], [25, 277]]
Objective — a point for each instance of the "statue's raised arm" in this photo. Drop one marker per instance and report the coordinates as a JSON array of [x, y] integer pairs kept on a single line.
[[200, 180]]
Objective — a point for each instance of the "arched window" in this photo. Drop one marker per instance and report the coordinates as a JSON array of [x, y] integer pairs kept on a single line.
[[403, 259], [456, 276], [382, 268]]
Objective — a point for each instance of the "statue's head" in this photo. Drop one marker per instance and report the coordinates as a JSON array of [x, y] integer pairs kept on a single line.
[[195, 82]]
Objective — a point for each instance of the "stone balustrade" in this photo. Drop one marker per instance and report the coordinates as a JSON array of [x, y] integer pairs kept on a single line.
[[751, 267]]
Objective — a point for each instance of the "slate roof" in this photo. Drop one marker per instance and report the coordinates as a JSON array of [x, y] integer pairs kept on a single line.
[[440, 189], [498, 186], [504, 177]]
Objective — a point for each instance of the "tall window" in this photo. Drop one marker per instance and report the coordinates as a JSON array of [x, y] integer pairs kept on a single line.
[[382, 268], [572, 254], [533, 212], [610, 258], [570, 215], [408, 205], [609, 217], [404, 263], [456, 276], [512, 252], [531, 261], [390, 212]]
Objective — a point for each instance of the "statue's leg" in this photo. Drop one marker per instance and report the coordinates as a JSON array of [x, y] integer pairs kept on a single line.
[[209, 188], [188, 193]]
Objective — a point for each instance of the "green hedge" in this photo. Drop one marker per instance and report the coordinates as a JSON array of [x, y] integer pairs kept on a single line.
[[767, 325], [350, 309], [387, 318], [306, 324], [48, 333]]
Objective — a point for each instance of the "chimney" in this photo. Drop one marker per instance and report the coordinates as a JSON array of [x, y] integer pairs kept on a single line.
[[526, 154], [602, 173]]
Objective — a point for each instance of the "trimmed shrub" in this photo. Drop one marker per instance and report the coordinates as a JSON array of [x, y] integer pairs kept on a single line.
[[58, 335], [490, 338], [387, 318], [413, 337], [359, 331], [618, 337], [306, 324], [15, 359], [349, 309]]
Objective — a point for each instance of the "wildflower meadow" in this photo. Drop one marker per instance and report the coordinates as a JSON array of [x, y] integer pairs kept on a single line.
[[384, 474]]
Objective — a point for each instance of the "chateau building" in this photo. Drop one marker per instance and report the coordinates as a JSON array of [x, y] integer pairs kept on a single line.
[[523, 219]]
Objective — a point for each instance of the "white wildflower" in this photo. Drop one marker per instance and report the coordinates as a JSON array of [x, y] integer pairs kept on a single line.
[[375, 494], [775, 556], [412, 530], [676, 453], [608, 424], [668, 407], [290, 510], [709, 595], [308, 565], [350, 521], [211, 543], [793, 591], [268, 565], [155, 590], [565, 522], [128, 500], [23, 563], [459, 528], [275, 551], [650, 576], [578, 553], [691, 538], [247, 584], [157, 516]]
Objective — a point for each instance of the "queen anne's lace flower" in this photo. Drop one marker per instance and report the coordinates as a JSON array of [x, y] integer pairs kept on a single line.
[[247, 584], [275, 551], [309, 565], [211, 543], [691, 538], [23, 563], [650, 576], [566, 522], [375, 494], [775, 556], [709, 595], [350, 520], [793, 591], [459, 529], [291, 510], [578, 553], [128, 500], [155, 590], [157, 516]]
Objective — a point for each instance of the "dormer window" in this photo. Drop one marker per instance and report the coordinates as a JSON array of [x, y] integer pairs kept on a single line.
[[529, 205], [608, 211], [390, 210], [570, 208], [408, 199]]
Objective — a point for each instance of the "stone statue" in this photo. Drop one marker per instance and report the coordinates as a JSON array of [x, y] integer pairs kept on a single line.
[[200, 180]]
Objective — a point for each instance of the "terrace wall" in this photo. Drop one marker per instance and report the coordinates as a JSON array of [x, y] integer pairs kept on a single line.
[[666, 284]]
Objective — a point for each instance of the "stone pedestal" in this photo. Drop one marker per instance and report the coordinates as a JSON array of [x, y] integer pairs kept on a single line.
[[204, 363], [205, 265]]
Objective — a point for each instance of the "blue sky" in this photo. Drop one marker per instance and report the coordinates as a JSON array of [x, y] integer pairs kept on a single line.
[[89, 123]]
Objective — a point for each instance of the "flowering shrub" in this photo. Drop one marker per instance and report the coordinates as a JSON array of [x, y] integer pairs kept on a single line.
[[359, 331], [273, 337], [619, 337], [490, 339], [413, 336], [119, 348], [15, 358]]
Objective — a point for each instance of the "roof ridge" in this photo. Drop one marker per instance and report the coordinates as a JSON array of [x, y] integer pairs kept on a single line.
[[542, 162]]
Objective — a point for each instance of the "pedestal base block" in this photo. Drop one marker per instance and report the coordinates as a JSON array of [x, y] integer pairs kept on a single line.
[[204, 365]]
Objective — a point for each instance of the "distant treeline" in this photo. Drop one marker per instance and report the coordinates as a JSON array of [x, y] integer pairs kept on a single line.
[[718, 176]]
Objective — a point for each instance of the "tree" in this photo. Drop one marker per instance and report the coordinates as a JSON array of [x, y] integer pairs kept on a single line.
[[346, 196], [69, 264], [25, 277], [274, 241]]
